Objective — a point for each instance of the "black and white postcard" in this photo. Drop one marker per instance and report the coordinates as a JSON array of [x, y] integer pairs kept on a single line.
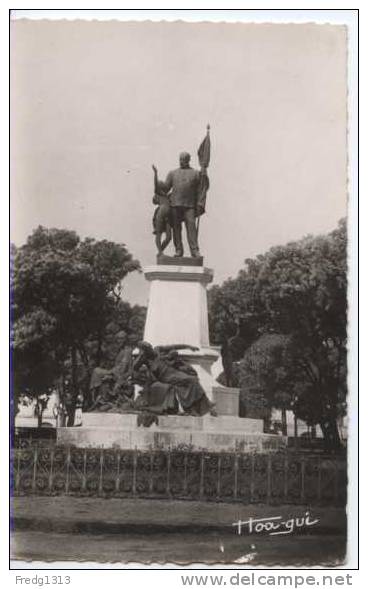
[[181, 333]]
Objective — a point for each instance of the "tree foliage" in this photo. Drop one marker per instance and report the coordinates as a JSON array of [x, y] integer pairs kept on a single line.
[[265, 371], [297, 292], [66, 295]]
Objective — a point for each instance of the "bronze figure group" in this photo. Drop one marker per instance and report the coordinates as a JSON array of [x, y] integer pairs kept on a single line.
[[181, 198], [168, 384]]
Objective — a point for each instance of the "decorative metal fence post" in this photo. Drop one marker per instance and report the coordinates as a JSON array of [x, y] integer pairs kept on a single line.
[[168, 489], [100, 481], [252, 459], [319, 482], [84, 476], [185, 484], [236, 469], [68, 457], [269, 474], [336, 482], [150, 482], [286, 468], [51, 474], [201, 481], [117, 482], [302, 488], [17, 475], [219, 476], [35, 457], [134, 482]]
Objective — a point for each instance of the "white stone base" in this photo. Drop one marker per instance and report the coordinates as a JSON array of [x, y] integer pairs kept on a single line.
[[177, 314], [177, 308], [127, 421], [216, 434]]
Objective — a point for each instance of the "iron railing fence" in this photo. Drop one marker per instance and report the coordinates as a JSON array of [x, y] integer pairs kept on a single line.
[[273, 478]]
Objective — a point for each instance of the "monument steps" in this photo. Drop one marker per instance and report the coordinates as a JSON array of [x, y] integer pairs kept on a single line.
[[173, 432], [220, 424]]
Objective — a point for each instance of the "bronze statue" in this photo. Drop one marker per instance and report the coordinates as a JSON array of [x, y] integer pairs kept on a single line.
[[184, 185], [162, 218], [112, 390], [169, 383], [185, 192], [109, 398], [174, 383]]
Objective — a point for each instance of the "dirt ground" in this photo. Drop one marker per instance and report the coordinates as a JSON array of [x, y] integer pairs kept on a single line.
[[160, 531], [179, 548]]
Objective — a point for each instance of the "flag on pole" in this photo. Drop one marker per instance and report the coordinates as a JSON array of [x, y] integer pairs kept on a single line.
[[204, 150], [204, 153]]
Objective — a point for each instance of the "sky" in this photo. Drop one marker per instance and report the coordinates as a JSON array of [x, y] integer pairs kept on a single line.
[[94, 104]]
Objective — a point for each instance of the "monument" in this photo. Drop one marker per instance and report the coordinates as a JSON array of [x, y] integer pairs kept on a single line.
[[180, 403], [177, 309]]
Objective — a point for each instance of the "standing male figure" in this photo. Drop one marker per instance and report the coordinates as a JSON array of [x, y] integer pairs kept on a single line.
[[185, 183]]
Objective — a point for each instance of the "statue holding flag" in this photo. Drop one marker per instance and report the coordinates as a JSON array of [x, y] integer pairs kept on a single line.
[[204, 153], [186, 189]]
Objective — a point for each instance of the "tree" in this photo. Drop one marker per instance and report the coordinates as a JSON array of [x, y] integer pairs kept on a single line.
[[126, 326], [235, 316], [265, 373], [303, 288], [298, 291], [64, 293]]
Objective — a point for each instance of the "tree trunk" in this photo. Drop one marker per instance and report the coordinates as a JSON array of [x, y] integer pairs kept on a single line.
[[267, 421], [99, 347], [335, 435], [295, 426], [39, 416], [331, 434], [71, 414], [84, 356], [85, 382], [74, 371], [296, 439], [284, 422], [227, 363]]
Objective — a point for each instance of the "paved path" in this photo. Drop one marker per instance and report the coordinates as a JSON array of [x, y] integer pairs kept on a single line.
[[179, 548], [144, 531], [162, 513]]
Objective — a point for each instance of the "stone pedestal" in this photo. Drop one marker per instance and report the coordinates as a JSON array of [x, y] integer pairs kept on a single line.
[[175, 432], [177, 309], [177, 314]]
